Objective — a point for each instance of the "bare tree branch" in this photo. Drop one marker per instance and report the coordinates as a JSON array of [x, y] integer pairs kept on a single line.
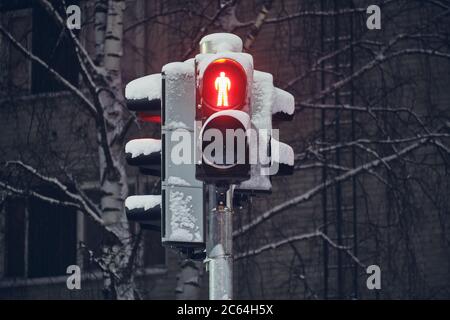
[[301, 237], [312, 192], [86, 103]]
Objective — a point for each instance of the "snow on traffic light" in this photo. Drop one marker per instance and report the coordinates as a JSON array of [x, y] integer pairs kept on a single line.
[[143, 95], [224, 83], [167, 99], [215, 113]]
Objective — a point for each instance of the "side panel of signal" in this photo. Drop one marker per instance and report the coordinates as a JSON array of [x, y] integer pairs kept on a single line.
[[223, 99], [183, 222]]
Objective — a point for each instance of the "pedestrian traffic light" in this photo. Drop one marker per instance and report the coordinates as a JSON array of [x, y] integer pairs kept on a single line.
[[223, 98], [216, 116], [209, 109], [177, 212], [182, 194]]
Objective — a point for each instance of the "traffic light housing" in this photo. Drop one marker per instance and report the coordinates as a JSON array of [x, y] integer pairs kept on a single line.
[[205, 105], [269, 105], [223, 99], [167, 99], [145, 209], [182, 194], [143, 95]]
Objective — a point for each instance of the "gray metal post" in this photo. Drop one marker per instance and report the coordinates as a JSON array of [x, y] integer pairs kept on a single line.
[[220, 247]]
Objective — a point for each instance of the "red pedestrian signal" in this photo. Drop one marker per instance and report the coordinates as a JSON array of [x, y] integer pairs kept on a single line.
[[224, 85]]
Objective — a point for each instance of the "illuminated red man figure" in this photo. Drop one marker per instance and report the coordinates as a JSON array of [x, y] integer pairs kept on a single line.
[[223, 85]]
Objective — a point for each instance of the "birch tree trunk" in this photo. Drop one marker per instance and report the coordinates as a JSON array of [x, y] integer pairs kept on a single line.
[[113, 180]]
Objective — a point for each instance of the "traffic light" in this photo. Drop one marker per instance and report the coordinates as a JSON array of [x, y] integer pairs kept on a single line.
[[182, 194], [223, 98], [269, 105], [216, 115], [177, 212]]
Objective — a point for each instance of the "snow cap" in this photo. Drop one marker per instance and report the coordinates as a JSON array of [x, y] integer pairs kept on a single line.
[[143, 202], [282, 152], [148, 87], [284, 102], [145, 147], [220, 42], [176, 69]]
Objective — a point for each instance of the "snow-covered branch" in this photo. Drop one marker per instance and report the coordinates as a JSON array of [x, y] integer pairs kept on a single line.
[[155, 16], [88, 66], [382, 56], [204, 29], [86, 102], [37, 195], [296, 238], [361, 142], [81, 202], [314, 191]]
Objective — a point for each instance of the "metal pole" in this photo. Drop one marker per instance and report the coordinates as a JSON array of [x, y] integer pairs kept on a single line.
[[220, 245]]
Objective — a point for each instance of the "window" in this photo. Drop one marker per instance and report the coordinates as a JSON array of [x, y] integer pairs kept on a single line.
[[40, 238], [51, 44], [7, 5], [51, 239], [37, 31], [15, 238], [16, 68]]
